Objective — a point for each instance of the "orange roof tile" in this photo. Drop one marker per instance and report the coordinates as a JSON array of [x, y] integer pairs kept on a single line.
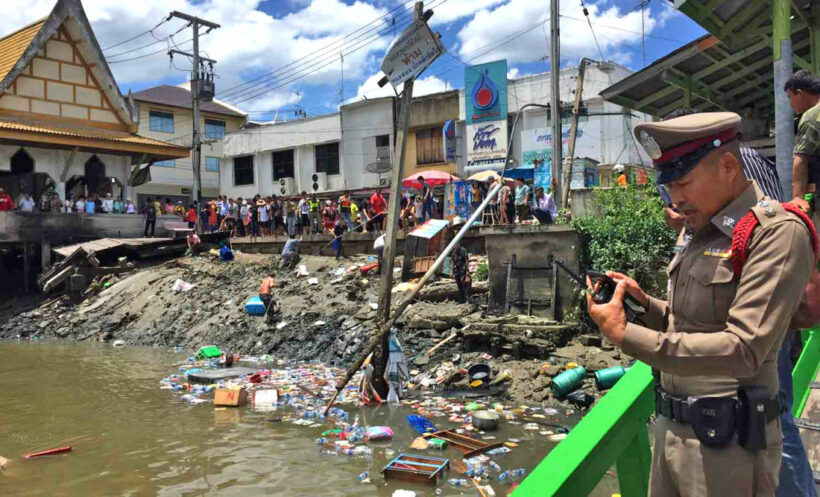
[[13, 45], [113, 137]]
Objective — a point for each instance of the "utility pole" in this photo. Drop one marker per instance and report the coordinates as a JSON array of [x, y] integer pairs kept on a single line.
[[393, 211], [783, 116], [342, 86], [196, 92], [573, 130], [555, 100]]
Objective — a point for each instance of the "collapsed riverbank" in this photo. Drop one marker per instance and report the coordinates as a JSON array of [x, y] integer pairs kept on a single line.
[[328, 315]]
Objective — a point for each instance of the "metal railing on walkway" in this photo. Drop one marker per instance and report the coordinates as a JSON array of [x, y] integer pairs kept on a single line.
[[615, 432]]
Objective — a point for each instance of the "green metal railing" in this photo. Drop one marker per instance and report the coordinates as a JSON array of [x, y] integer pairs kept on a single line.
[[615, 432]]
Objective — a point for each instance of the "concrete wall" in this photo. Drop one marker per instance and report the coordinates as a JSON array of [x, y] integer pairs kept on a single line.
[[60, 229], [166, 180], [361, 123], [532, 245]]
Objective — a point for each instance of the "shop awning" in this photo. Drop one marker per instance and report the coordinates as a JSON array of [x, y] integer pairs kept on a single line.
[[728, 69]]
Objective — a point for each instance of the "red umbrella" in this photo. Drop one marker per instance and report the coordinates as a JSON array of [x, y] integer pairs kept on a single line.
[[433, 178]]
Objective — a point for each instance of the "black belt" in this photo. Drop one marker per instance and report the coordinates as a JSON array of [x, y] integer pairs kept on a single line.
[[677, 408]]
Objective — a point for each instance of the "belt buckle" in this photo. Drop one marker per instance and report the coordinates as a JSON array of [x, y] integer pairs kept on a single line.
[[664, 405]]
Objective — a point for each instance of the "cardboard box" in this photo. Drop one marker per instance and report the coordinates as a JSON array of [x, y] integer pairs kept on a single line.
[[230, 397]]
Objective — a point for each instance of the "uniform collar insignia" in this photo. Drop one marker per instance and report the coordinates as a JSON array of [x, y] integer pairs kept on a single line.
[[727, 217]]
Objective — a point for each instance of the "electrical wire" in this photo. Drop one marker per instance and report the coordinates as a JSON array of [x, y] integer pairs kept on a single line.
[[672, 40], [162, 50], [156, 40], [244, 85], [586, 14], [248, 94], [163, 21]]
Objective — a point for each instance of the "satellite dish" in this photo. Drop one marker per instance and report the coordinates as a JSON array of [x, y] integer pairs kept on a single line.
[[381, 166]]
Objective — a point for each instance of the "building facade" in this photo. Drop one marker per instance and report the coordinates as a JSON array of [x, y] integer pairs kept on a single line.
[[425, 150], [64, 125], [166, 113]]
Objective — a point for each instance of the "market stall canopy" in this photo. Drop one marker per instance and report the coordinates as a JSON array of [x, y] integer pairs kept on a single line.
[[729, 69], [433, 178], [522, 172], [485, 175]]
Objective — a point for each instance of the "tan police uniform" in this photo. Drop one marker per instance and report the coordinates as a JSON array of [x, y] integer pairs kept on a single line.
[[716, 333]]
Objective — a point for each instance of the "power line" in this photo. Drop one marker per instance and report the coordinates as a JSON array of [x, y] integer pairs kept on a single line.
[[156, 40], [163, 21], [326, 47], [624, 30], [586, 14], [162, 50], [311, 67]]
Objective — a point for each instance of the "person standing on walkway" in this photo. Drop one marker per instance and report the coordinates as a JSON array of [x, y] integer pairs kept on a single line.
[[545, 209], [150, 219], [378, 206], [715, 341], [803, 90], [130, 208], [304, 213], [290, 215], [6, 204], [315, 214], [264, 218], [795, 470], [344, 210], [460, 258], [522, 201], [426, 198]]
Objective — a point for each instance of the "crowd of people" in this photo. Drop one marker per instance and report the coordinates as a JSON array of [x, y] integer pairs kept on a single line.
[[50, 201], [519, 203]]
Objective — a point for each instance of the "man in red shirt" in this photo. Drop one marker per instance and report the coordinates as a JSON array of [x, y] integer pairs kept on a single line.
[[379, 207], [6, 203]]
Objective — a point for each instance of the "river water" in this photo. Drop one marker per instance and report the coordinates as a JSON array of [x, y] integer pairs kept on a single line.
[[131, 438]]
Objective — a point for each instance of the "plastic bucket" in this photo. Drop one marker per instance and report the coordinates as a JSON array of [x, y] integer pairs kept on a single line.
[[607, 378], [568, 381], [479, 372]]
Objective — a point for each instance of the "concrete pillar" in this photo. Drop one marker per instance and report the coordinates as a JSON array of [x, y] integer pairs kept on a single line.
[[45, 254], [60, 189], [783, 115]]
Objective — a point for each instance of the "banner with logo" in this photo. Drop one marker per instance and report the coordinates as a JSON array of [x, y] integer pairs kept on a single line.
[[449, 140], [485, 92], [486, 146]]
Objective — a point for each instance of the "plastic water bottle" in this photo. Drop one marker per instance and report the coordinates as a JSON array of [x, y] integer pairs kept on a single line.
[[503, 476], [363, 476], [517, 473], [321, 440], [458, 482], [494, 466]]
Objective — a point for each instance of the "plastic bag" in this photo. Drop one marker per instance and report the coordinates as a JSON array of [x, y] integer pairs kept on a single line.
[[379, 433], [181, 286]]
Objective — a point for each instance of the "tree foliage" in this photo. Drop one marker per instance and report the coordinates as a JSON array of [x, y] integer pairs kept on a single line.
[[628, 234]]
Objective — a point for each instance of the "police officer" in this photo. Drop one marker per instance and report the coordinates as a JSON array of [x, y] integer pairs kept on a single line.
[[715, 340]]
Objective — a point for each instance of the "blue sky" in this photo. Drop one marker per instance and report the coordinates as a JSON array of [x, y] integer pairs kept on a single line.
[[294, 47]]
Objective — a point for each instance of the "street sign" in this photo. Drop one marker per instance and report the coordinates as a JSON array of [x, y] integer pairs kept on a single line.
[[411, 53]]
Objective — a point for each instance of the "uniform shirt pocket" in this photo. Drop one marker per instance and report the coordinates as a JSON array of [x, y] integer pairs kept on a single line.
[[712, 290]]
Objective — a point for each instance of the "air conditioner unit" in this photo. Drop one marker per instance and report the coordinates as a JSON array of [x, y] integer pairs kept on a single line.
[[384, 182], [287, 186], [319, 182]]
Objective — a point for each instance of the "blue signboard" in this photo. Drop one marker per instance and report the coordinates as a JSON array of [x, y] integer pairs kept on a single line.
[[485, 92]]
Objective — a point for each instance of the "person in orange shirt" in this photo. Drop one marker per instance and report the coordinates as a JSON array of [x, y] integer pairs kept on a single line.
[[619, 171]]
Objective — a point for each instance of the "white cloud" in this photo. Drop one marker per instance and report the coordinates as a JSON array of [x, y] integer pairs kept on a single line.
[[424, 86], [510, 31], [454, 10], [248, 38], [513, 73]]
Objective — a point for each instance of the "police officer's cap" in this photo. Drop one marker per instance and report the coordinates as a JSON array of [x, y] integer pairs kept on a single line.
[[676, 146]]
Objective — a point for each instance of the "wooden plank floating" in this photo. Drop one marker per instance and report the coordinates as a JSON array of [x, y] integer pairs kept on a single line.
[[468, 445], [415, 468]]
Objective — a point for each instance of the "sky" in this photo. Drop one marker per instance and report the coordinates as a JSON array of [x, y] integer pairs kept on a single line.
[[277, 57]]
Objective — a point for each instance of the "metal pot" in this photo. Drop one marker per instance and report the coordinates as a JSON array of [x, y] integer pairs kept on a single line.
[[485, 420]]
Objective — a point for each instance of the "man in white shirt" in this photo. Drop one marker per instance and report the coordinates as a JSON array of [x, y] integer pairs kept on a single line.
[[108, 204]]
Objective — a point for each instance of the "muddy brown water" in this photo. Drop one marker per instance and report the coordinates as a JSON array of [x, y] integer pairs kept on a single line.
[[131, 438]]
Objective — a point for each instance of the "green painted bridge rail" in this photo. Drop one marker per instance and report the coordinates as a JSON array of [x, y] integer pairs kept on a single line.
[[615, 432]]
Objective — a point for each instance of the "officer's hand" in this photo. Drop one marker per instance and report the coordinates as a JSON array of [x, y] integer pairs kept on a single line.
[[631, 286], [674, 219], [610, 317], [801, 203]]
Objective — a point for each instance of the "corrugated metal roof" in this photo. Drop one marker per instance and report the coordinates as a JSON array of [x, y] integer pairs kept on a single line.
[[13, 45], [176, 96], [87, 133]]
